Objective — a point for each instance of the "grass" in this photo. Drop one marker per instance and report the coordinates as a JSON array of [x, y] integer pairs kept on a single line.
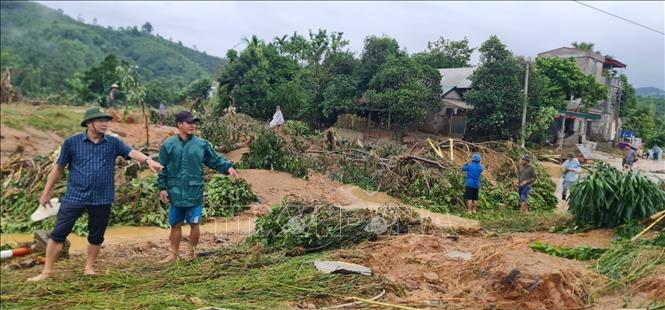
[[63, 120], [512, 220], [231, 279], [626, 262], [507, 221]]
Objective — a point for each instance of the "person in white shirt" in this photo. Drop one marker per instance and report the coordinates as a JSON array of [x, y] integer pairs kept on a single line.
[[277, 119], [571, 172]]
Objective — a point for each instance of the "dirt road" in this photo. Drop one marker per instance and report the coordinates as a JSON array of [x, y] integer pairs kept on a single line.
[[655, 170]]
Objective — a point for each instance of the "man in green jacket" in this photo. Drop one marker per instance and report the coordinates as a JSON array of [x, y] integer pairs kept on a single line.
[[181, 182]]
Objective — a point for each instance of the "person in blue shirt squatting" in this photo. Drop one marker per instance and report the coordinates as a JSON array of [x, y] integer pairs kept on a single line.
[[571, 172], [473, 171], [90, 157], [181, 181]]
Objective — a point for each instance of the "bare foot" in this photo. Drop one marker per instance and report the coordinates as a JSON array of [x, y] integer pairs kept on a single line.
[[40, 277], [89, 272], [168, 259], [192, 254]]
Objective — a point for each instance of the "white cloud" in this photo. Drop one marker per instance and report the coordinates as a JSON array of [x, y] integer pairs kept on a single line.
[[526, 27]]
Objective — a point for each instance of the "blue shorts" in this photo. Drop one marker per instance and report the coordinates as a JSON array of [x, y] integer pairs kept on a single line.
[[524, 193], [187, 215]]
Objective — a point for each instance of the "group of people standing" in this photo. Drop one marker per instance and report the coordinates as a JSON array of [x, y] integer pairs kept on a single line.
[[90, 157], [526, 177]]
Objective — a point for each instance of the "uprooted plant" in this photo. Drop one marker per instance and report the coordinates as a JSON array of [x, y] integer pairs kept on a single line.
[[228, 130], [578, 253], [23, 180], [271, 151], [608, 197], [316, 226], [226, 197], [430, 180]]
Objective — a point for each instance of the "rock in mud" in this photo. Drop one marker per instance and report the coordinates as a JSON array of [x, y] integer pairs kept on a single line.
[[459, 255], [411, 285], [431, 277], [341, 267]]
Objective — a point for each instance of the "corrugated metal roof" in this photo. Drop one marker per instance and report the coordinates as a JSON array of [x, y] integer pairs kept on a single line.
[[455, 77]]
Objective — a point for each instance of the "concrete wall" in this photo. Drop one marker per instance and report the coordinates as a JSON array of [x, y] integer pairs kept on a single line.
[[440, 123], [592, 64]]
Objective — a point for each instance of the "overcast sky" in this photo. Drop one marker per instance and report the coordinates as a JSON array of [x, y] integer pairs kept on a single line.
[[526, 27]]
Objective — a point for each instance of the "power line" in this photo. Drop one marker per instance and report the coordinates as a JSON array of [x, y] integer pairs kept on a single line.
[[619, 17]]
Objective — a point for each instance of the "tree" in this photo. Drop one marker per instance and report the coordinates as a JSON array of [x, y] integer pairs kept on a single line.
[[311, 78], [406, 89], [496, 94], [250, 76], [60, 47], [147, 28], [376, 52], [158, 91], [446, 54], [566, 80], [541, 108], [647, 119], [94, 84], [197, 91], [587, 46], [642, 121], [628, 97]]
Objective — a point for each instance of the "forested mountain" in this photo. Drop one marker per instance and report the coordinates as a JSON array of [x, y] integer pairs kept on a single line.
[[44, 48]]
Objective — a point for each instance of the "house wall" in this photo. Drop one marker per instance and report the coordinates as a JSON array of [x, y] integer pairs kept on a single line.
[[440, 122], [592, 64], [433, 122]]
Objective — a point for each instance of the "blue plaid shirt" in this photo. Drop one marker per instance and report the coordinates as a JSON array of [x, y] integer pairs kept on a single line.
[[91, 178]]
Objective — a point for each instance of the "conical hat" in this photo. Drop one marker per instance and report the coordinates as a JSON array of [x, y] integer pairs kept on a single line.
[[43, 212]]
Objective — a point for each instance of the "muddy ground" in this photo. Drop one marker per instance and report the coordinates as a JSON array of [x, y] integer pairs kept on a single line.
[[418, 271], [502, 272]]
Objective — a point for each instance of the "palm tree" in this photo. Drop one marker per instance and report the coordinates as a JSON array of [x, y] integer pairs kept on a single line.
[[583, 46]]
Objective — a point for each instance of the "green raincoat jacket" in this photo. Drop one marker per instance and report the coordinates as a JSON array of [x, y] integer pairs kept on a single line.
[[182, 176]]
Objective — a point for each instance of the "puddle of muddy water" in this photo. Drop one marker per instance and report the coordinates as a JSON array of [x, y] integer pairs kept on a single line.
[[360, 198], [138, 234]]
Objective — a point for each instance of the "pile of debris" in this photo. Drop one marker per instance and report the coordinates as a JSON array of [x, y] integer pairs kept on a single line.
[[429, 175], [308, 226]]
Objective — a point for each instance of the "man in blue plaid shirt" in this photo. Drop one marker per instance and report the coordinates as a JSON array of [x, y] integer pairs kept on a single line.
[[90, 157]]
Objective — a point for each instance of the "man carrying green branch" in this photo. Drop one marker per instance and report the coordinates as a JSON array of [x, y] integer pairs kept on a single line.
[[90, 157], [526, 178], [181, 181]]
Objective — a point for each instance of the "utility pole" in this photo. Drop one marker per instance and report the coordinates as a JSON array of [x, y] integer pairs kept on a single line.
[[562, 134], [526, 100]]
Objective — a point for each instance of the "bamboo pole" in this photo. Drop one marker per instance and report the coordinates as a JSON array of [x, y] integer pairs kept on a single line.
[[647, 229], [145, 119], [452, 156], [378, 303]]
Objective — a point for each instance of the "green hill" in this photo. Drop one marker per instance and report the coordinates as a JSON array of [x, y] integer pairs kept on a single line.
[[650, 92], [45, 47]]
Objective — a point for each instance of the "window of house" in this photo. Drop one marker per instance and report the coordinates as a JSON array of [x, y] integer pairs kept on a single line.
[[593, 68]]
